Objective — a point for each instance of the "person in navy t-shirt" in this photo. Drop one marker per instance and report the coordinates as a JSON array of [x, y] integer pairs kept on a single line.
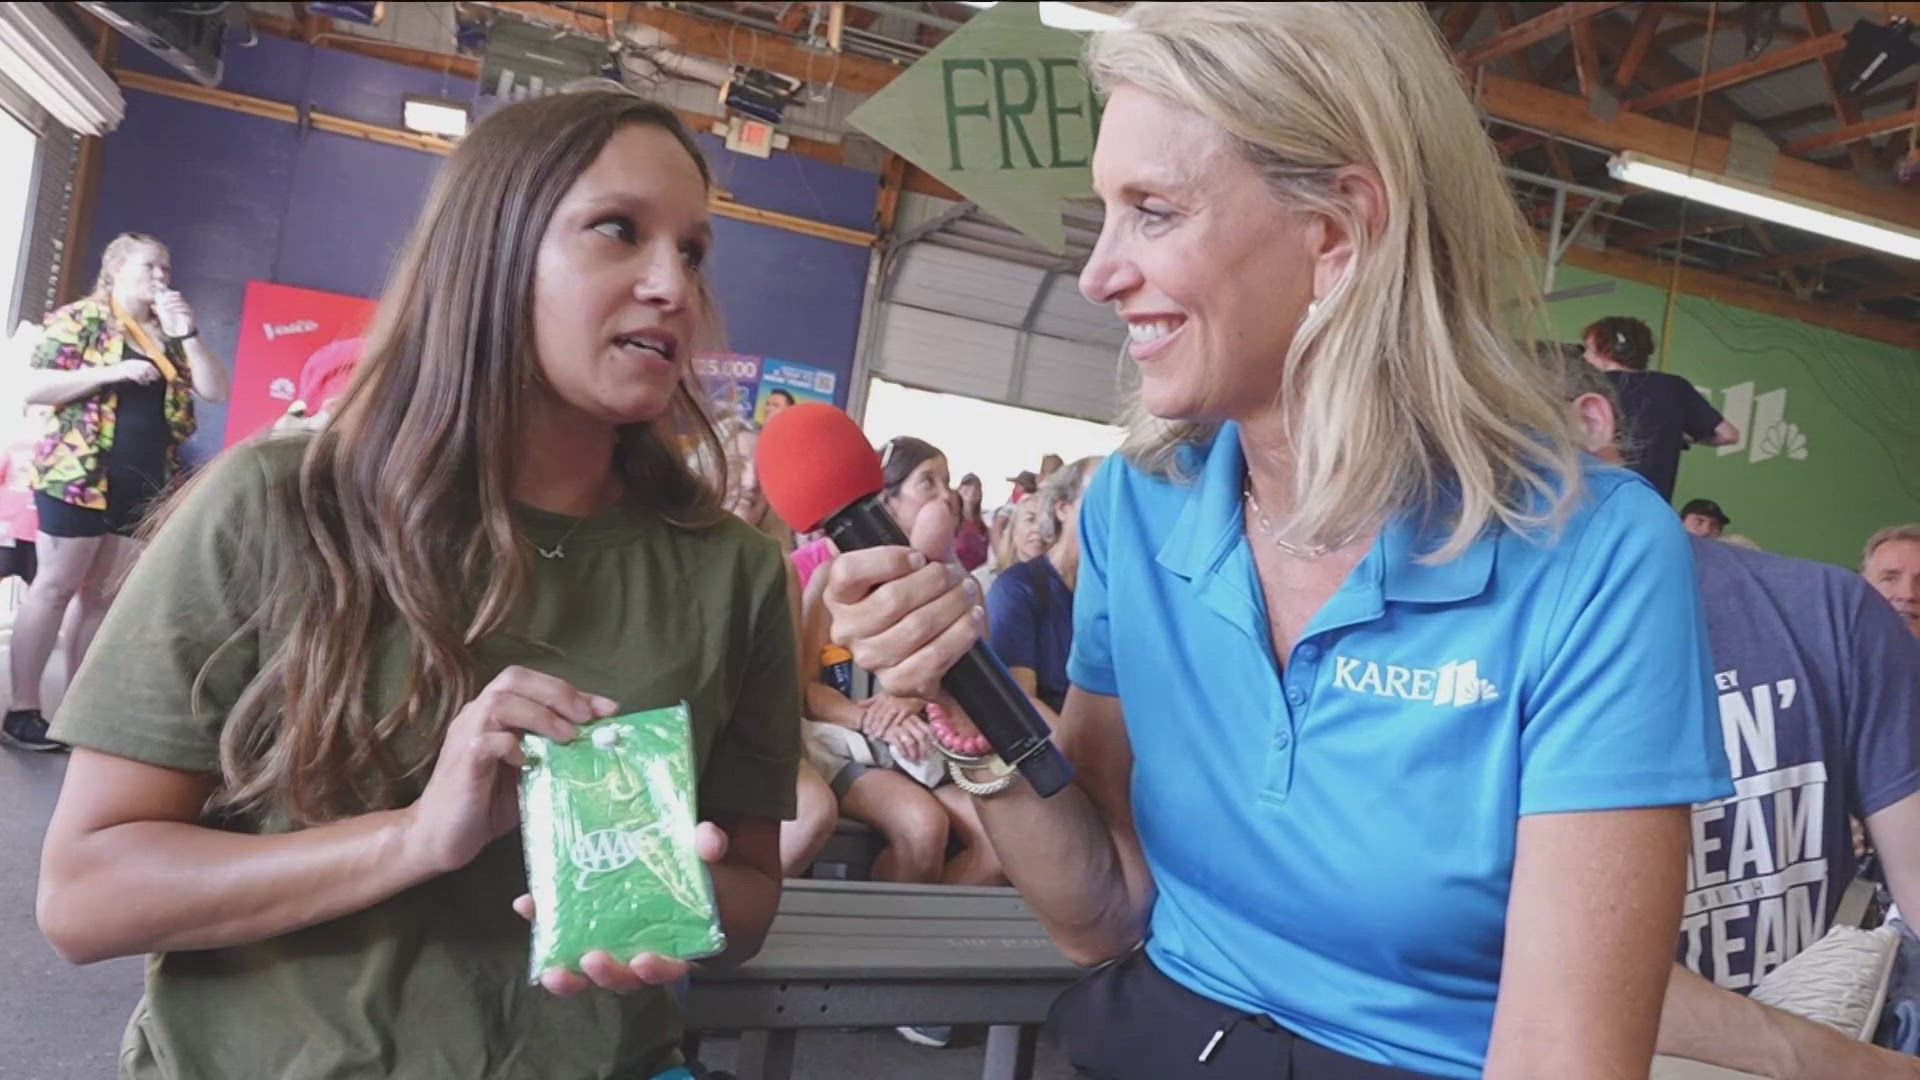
[[1030, 607], [1819, 701]]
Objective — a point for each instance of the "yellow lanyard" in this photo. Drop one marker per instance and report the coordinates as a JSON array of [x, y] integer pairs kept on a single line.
[[153, 350]]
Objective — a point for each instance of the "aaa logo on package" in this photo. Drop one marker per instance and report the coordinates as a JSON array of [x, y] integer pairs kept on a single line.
[[607, 822]]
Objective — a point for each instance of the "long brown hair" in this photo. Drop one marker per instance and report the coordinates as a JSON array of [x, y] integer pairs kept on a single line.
[[400, 517]]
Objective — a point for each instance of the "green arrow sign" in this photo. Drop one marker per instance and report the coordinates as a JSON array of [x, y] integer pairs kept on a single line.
[[1001, 112]]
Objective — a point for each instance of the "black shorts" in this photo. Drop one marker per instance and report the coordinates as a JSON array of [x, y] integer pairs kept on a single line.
[[19, 560], [1130, 1021], [129, 497]]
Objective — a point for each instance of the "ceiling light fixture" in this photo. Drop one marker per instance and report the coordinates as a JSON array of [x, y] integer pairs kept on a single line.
[[1064, 16], [1765, 203]]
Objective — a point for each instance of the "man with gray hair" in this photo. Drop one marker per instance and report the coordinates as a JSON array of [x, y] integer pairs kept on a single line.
[[1891, 565]]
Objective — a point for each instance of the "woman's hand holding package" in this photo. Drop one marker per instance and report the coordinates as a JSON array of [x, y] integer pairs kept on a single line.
[[472, 798], [603, 969]]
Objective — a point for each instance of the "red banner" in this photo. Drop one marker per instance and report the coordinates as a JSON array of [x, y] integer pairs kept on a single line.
[[280, 326]]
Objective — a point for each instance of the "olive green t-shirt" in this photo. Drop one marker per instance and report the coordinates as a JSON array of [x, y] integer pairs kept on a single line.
[[432, 982]]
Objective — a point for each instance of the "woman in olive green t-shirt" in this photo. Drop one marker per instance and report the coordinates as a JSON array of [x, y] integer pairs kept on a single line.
[[296, 739]]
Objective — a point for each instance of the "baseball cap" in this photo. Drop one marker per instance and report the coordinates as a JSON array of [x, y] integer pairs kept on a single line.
[[1706, 508]]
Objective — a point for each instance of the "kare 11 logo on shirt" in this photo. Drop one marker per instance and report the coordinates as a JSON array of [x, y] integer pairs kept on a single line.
[[1456, 683]]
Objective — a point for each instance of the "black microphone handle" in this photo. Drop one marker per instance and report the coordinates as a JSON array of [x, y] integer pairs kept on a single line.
[[979, 682]]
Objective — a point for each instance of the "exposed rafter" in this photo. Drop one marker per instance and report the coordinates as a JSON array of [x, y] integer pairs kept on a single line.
[[1529, 106], [1845, 109], [1854, 132], [1532, 32], [1885, 290], [1793, 260], [1746, 71], [1699, 227], [1645, 26]]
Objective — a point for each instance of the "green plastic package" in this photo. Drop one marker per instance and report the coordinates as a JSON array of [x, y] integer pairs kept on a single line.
[[608, 823]]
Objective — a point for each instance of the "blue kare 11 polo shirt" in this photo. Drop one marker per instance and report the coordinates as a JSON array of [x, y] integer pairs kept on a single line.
[[1334, 843]]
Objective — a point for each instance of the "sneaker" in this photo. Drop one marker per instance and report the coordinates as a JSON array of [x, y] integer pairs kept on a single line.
[[939, 1037], [27, 729]]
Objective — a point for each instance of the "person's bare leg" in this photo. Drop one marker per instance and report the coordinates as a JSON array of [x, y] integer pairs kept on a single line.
[[815, 812], [65, 565], [110, 570], [912, 820], [975, 863]]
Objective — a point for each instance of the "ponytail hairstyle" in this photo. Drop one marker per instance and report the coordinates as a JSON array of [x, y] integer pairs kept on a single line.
[[1622, 339]]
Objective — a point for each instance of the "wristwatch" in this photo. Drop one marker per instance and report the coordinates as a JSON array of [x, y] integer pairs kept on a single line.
[[188, 336]]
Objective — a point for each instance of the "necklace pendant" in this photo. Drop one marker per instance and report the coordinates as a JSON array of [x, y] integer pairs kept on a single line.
[[558, 552]]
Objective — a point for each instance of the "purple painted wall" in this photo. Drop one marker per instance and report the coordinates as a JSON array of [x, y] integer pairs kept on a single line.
[[239, 198]]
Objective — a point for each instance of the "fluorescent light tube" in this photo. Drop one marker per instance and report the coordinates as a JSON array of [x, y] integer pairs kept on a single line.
[[1742, 197], [1065, 16]]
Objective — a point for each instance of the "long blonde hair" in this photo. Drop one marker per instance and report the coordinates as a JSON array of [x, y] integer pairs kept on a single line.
[[1411, 386], [400, 517]]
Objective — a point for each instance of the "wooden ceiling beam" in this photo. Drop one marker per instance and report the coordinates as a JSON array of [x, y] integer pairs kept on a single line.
[[1657, 69], [1765, 64], [719, 40], [1533, 31], [1885, 290], [1793, 260], [1699, 227], [1845, 109], [1529, 106], [1586, 59], [1459, 19], [1850, 135], [1811, 113], [1645, 26], [306, 30]]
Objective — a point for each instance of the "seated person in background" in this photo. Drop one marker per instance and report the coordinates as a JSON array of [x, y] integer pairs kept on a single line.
[[1030, 610], [1892, 566], [744, 499], [900, 789], [816, 811], [999, 548], [1704, 518], [970, 543], [1660, 413], [1024, 484], [1819, 698]]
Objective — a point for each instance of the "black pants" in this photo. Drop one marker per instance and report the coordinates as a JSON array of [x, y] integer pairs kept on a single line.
[[1129, 1021]]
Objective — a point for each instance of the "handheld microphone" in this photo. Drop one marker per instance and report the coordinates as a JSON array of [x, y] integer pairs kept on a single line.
[[817, 471]]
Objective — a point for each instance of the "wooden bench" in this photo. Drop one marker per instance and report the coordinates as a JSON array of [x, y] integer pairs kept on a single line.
[[875, 955]]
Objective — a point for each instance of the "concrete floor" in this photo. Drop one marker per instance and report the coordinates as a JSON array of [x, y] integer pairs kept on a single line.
[[58, 1022]]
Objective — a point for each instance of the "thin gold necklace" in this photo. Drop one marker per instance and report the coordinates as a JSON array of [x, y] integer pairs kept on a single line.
[[1298, 551]]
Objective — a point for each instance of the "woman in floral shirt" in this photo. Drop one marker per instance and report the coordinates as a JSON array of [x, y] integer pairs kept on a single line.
[[120, 369]]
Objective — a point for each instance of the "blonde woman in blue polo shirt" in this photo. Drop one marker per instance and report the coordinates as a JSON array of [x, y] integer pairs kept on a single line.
[[1387, 705]]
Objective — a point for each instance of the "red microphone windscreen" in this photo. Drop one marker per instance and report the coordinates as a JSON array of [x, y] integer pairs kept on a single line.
[[813, 462]]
